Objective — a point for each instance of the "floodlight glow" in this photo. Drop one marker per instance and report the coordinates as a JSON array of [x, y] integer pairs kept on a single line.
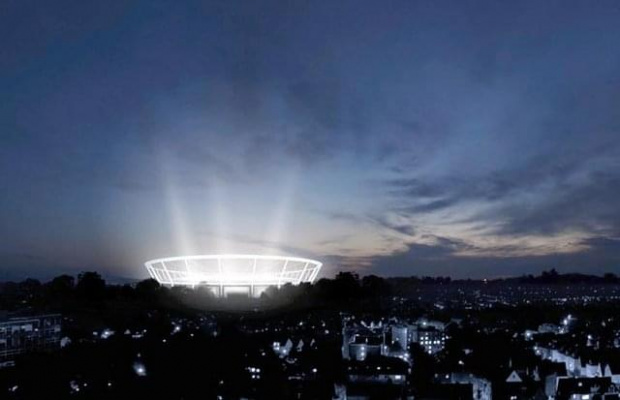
[[227, 274]]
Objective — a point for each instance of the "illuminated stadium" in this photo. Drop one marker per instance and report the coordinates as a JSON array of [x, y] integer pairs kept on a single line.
[[233, 274]]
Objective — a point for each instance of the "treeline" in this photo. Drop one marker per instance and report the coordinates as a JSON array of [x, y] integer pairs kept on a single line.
[[553, 277], [87, 290], [90, 290]]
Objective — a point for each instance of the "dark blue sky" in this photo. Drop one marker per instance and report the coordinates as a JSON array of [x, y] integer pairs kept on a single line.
[[468, 138]]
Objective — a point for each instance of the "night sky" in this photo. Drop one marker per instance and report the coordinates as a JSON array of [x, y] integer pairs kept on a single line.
[[463, 138]]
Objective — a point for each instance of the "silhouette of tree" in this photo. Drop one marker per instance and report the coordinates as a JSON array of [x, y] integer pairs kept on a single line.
[[148, 289], [91, 286], [549, 276], [30, 288], [346, 285], [62, 285], [375, 286]]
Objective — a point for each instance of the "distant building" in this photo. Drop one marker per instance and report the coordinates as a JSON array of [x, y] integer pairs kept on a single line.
[[428, 323], [431, 339], [28, 334], [586, 389], [385, 370], [378, 378], [363, 346], [399, 334], [359, 342], [575, 366], [549, 328], [429, 334], [283, 350]]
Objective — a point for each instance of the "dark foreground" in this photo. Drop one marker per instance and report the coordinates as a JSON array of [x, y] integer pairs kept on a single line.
[[529, 338]]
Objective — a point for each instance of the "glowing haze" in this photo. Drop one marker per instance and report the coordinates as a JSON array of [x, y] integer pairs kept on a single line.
[[409, 137]]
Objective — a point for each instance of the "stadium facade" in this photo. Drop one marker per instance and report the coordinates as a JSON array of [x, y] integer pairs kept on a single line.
[[233, 274]]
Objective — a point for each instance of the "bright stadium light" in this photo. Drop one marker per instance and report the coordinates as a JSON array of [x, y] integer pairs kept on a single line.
[[227, 274]]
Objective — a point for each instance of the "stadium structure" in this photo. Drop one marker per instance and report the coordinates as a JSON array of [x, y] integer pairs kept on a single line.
[[233, 274]]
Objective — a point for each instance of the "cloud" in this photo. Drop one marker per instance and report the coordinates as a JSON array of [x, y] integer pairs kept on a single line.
[[601, 255], [468, 135]]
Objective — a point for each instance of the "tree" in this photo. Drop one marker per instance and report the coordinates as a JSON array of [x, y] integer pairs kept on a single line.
[[30, 288], [346, 285], [549, 276], [147, 289], [375, 286], [91, 286], [62, 285]]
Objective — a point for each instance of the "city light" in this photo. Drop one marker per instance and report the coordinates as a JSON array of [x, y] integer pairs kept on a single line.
[[139, 368]]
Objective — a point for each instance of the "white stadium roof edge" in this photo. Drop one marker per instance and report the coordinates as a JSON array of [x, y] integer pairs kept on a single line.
[[226, 274]]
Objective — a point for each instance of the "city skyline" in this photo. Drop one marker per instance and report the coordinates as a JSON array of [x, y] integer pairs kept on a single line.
[[412, 139]]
